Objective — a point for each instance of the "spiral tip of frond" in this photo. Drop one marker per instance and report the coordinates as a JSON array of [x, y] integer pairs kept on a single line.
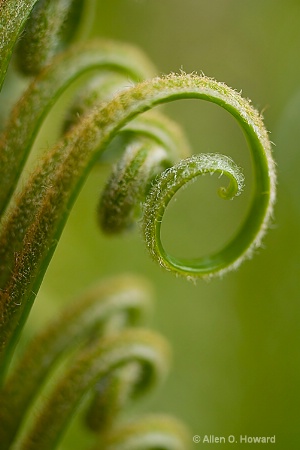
[[166, 186]]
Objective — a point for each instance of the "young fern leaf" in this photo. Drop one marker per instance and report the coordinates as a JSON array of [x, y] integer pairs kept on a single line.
[[40, 211], [151, 432], [142, 347], [165, 187], [23, 125], [104, 309]]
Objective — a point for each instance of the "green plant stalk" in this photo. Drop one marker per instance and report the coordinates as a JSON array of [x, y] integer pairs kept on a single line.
[[43, 206]]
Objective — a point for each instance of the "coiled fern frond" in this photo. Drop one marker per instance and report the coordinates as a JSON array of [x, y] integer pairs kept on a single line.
[[114, 107], [116, 363]]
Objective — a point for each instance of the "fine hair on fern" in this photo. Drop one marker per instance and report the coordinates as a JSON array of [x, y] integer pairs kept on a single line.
[[104, 352]]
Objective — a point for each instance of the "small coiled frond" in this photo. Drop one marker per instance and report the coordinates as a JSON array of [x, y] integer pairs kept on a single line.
[[165, 187], [145, 348], [115, 364], [148, 433], [103, 309]]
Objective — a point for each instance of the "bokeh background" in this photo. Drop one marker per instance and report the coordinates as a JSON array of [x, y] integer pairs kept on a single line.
[[235, 340]]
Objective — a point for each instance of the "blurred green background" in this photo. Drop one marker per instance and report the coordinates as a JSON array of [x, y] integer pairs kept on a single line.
[[235, 340]]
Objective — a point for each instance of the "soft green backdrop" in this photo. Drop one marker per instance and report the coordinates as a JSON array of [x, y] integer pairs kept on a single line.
[[235, 341]]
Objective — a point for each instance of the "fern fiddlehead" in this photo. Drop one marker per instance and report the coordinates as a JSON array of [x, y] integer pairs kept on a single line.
[[52, 189], [150, 173], [138, 346], [150, 432], [101, 312]]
